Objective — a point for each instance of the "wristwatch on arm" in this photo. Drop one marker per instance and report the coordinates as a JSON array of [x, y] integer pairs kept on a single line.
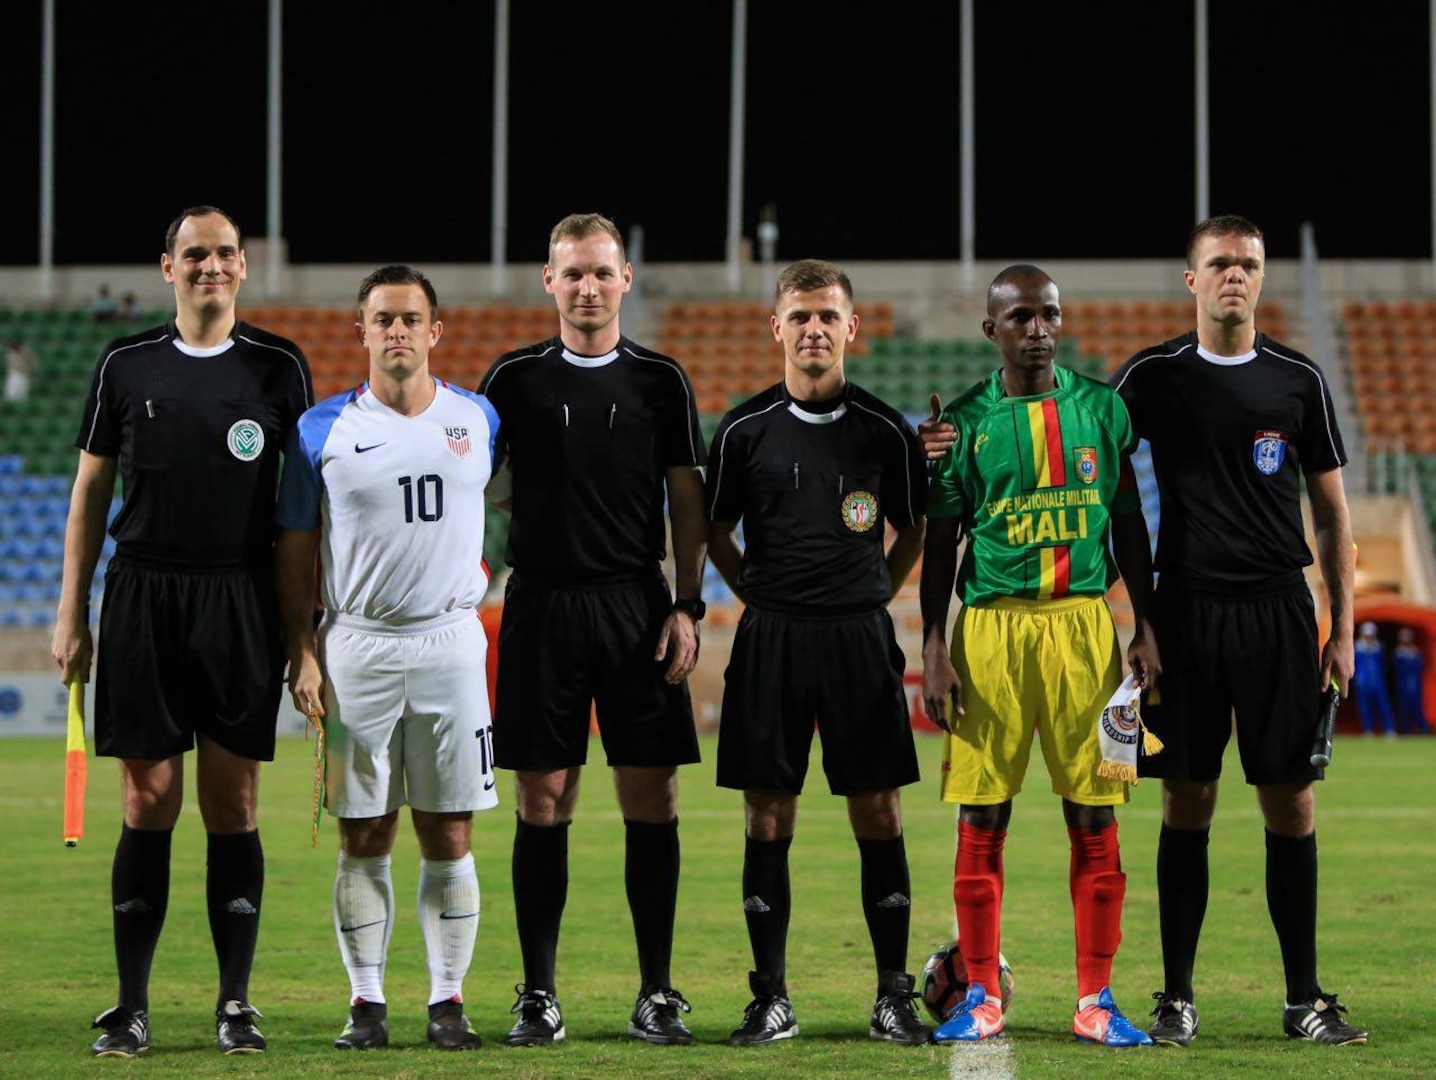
[[693, 607]]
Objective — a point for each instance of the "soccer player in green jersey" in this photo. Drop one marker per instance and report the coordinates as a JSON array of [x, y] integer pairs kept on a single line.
[[1037, 479]]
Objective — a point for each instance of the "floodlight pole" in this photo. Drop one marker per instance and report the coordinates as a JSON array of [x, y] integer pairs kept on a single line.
[[274, 203], [737, 103]]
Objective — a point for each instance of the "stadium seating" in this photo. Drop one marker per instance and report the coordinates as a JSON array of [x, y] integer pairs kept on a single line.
[[1115, 329], [37, 455]]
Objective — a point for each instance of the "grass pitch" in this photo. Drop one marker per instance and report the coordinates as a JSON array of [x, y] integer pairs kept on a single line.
[[1376, 823]]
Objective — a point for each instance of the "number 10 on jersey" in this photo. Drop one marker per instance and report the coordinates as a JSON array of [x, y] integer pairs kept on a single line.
[[427, 492]]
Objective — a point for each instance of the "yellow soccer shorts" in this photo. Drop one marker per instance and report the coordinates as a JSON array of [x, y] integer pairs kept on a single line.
[[1032, 667]]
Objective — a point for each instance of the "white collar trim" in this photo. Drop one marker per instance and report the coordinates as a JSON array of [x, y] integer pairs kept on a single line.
[[1225, 361], [818, 418], [214, 350], [590, 361]]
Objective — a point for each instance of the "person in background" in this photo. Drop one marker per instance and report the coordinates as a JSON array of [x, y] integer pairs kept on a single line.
[[103, 308], [1373, 699], [1409, 667], [20, 363]]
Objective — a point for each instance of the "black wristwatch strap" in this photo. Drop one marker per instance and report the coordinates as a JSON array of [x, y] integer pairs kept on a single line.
[[693, 607]]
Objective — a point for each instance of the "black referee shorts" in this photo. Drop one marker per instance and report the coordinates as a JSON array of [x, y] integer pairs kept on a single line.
[[842, 673], [1255, 656], [564, 649], [186, 653]]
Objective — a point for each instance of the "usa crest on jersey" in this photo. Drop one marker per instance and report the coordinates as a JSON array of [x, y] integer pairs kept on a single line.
[[459, 441], [1269, 451]]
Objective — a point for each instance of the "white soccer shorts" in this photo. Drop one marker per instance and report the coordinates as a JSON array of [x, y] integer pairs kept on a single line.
[[407, 716]]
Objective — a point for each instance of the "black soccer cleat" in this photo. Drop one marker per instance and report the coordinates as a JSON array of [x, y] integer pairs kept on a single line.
[[367, 1028], [768, 1017], [449, 1028], [1319, 1021], [1175, 1023], [655, 1017], [540, 1022], [127, 1034], [234, 1029], [895, 1016]]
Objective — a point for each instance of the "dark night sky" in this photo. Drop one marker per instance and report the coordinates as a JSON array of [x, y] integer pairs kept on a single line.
[[1084, 132]]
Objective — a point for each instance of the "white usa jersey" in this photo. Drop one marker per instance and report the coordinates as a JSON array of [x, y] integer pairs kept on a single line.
[[399, 500]]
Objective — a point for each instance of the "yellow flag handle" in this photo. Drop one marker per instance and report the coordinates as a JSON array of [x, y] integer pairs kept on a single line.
[[76, 766]]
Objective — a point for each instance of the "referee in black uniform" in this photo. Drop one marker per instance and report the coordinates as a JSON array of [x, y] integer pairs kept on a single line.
[[1236, 421], [192, 415], [597, 430], [815, 469]]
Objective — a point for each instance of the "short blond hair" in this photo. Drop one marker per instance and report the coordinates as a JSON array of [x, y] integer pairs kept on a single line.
[[808, 275], [579, 226]]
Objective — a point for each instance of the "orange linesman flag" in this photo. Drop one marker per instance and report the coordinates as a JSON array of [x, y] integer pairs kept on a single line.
[[76, 766]]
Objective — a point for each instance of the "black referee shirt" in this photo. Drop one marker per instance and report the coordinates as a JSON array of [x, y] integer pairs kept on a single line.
[[813, 492], [1230, 438], [198, 434], [588, 439]]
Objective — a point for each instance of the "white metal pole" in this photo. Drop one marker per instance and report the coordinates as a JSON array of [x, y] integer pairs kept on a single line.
[[499, 207], [967, 173], [1203, 118], [274, 224], [737, 99], [47, 154]]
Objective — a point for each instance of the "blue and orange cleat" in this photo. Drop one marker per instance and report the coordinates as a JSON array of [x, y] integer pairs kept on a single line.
[[973, 1018], [1104, 1023]]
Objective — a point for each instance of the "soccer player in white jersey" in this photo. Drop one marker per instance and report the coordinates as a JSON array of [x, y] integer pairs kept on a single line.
[[386, 482]]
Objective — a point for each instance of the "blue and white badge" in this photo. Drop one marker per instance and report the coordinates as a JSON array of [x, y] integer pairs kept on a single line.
[[1269, 451]]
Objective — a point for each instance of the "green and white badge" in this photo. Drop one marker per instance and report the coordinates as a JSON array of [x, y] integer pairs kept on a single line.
[[246, 439]]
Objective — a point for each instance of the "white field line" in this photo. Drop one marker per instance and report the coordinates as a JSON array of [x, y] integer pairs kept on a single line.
[[982, 1061]]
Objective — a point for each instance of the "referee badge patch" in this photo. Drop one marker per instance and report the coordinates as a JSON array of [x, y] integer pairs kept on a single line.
[[1086, 459], [1269, 451], [860, 511], [245, 439]]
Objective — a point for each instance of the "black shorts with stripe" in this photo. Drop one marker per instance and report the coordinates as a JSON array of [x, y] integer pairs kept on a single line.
[[185, 653], [565, 650], [840, 673], [1253, 657]]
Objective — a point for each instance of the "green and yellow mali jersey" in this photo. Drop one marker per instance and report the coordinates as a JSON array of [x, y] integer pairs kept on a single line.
[[1033, 480]]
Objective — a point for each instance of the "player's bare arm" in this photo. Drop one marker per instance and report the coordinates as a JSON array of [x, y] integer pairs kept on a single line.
[[903, 552], [1132, 550], [73, 646], [679, 638], [937, 435], [940, 683], [294, 554], [1331, 522]]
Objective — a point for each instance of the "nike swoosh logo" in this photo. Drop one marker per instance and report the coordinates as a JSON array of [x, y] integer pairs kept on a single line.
[[365, 449], [488, 785], [360, 926], [470, 915]]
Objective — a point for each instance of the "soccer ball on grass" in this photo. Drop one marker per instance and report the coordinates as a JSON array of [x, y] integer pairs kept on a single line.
[[944, 981]]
